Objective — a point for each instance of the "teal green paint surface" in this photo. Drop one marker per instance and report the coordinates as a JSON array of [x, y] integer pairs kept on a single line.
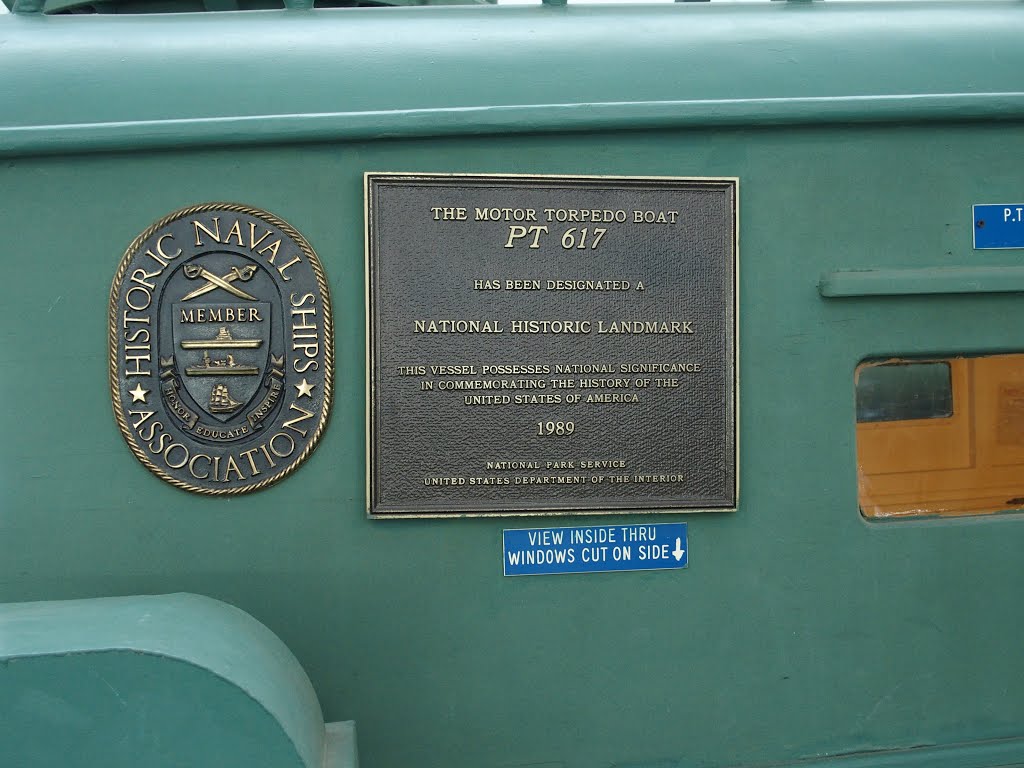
[[381, 73], [799, 631], [151, 681]]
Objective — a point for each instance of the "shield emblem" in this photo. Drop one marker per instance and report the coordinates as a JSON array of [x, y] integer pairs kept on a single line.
[[221, 352]]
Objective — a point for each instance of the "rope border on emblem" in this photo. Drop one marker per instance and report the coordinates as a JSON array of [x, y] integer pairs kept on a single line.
[[113, 339]]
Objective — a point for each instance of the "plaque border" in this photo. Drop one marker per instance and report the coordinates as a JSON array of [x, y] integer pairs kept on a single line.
[[582, 512]]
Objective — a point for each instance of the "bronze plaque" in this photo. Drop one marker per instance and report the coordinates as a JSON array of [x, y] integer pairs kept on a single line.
[[543, 345], [220, 348]]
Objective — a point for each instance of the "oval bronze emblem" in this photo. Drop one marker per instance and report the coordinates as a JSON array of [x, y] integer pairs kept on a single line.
[[220, 348]]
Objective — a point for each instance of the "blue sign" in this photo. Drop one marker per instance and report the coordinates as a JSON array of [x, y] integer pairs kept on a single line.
[[999, 226], [594, 548]]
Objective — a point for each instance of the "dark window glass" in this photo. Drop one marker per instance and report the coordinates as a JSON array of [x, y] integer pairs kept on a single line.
[[904, 391]]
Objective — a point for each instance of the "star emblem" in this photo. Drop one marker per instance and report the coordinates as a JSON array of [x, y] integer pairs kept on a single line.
[[138, 394], [305, 389]]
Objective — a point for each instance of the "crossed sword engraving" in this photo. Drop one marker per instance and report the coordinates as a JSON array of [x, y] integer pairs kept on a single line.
[[213, 282]]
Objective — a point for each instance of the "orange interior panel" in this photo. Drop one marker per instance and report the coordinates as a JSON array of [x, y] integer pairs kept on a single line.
[[969, 463]]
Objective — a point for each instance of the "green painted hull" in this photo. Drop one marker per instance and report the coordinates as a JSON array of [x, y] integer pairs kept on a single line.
[[861, 134]]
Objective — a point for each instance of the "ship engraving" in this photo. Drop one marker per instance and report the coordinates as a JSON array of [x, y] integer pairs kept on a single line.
[[223, 340], [223, 344], [221, 400], [212, 366]]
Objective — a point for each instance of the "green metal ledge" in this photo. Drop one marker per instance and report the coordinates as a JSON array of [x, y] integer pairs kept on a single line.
[[847, 283], [155, 682]]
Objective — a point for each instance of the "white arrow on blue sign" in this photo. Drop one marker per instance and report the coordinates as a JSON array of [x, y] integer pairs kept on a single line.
[[594, 548]]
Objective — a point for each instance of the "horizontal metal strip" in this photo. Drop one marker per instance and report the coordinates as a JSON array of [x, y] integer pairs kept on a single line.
[[1008, 753], [914, 282], [528, 118]]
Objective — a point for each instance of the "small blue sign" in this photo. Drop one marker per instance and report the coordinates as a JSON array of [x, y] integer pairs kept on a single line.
[[595, 548], [999, 226]]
